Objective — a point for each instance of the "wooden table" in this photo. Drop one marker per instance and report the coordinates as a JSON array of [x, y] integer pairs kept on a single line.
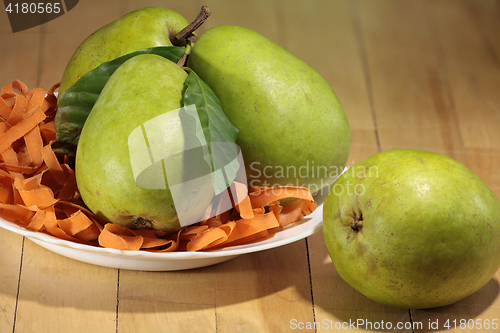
[[410, 74]]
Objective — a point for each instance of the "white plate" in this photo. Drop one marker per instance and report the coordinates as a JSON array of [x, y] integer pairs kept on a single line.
[[150, 261]]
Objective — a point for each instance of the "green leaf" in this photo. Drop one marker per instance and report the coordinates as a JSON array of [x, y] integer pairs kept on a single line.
[[216, 131], [77, 101]]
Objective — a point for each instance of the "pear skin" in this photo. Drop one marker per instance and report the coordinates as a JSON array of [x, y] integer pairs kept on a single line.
[[141, 91], [143, 28], [412, 229], [293, 129]]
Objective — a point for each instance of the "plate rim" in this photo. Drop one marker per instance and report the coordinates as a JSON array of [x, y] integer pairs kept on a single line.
[[314, 223]]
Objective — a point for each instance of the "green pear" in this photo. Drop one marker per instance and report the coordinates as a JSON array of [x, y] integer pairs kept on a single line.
[[412, 229], [143, 28], [293, 129], [141, 100]]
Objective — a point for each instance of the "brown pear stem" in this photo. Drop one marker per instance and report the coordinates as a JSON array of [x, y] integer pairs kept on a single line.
[[192, 38], [188, 31], [182, 61]]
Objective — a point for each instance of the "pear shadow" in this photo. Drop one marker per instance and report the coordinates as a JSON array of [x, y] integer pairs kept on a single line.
[[470, 307], [335, 297]]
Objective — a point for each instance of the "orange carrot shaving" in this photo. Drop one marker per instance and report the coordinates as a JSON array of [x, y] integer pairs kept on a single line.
[[260, 210], [248, 239], [212, 222], [68, 189], [89, 234], [120, 238], [266, 196], [38, 190], [4, 175], [4, 109], [150, 239], [241, 201], [295, 211], [21, 128], [41, 197], [15, 84], [34, 144], [18, 111], [211, 237], [75, 223], [53, 164], [247, 227], [16, 213], [193, 231], [171, 246], [245, 208], [37, 221], [5, 194], [52, 225], [225, 216]]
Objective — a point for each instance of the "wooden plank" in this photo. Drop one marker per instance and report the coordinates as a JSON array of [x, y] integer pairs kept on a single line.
[[470, 315], [336, 302], [473, 68], [264, 291], [19, 53], [470, 55], [261, 291], [11, 246], [486, 13], [183, 301], [416, 113], [158, 316], [484, 163], [421, 74], [62, 36], [154, 301], [259, 15], [444, 102], [86, 19], [327, 40], [411, 99], [58, 294], [188, 9]]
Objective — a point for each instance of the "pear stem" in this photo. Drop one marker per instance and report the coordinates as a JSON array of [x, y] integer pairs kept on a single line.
[[187, 32], [182, 61]]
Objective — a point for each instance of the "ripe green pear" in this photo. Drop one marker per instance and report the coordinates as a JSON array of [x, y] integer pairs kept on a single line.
[[143, 28], [145, 89], [293, 129], [412, 229]]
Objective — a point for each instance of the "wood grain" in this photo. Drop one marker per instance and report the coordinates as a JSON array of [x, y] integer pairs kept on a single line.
[[56, 48], [11, 247], [19, 53], [181, 301], [263, 292], [330, 44], [409, 73], [58, 294], [473, 86]]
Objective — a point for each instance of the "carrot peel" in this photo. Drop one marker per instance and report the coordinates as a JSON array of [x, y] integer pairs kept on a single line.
[[38, 190]]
